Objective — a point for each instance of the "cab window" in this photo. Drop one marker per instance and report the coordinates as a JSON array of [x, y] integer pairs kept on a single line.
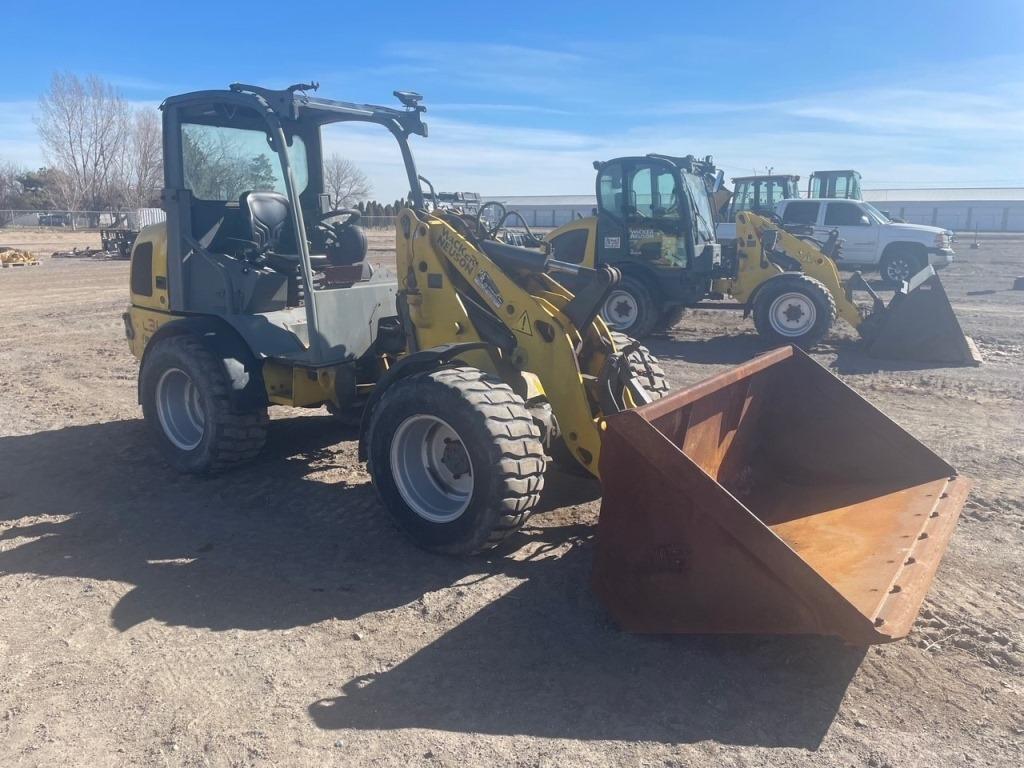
[[743, 199], [610, 189], [640, 191], [843, 214], [666, 202], [221, 163]]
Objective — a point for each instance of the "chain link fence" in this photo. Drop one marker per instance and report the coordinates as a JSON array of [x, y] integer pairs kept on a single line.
[[81, 220], [133, 219]]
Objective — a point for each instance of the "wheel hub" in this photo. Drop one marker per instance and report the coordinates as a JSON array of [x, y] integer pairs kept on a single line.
[[620, 310], [431, 468], [179, 408], [900, 269], [455, 458], [792, 315]]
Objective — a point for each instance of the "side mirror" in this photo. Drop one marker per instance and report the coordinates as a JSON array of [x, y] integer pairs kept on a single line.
[[865, 221]]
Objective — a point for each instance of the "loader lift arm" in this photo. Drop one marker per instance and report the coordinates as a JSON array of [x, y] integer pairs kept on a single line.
[[559, 348]]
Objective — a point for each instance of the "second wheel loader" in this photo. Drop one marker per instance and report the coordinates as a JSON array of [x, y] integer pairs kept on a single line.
[[476, 365], [654, 224]]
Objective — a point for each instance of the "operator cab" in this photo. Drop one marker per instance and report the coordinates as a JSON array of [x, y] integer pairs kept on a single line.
[[654, 208], [835, 184], [759, 194], [244, 174]]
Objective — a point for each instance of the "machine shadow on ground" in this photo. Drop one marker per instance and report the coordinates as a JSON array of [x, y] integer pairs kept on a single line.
[[543, 661], [728, 349], [275, 546]]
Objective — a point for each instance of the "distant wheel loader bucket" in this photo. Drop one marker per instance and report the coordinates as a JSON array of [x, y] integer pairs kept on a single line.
[[770, 499], [919, 324]]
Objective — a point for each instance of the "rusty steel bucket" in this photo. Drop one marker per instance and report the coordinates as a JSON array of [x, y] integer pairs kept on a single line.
[[770, 499]]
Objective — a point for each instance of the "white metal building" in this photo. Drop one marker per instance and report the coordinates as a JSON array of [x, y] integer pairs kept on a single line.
[[997, 209]]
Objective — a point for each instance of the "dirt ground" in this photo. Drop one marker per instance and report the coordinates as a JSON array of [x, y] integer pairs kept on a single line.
[[274, 616]]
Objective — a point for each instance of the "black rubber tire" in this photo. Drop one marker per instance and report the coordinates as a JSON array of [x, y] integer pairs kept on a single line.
[[655, 383], [901, 262], [229, 438], [640, 359], [501, 439], [648, 307], [814, 290], [670, 318]]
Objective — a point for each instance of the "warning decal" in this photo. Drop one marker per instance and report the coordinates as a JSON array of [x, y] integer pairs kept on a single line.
[[523, 326]]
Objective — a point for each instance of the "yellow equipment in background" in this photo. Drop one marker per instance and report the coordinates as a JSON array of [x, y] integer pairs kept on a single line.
[[794, 292]]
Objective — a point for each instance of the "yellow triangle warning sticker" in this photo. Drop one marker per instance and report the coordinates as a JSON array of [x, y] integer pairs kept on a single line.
[[523, 326]]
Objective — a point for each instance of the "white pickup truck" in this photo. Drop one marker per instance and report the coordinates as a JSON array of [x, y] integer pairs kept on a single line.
[[870, 238]]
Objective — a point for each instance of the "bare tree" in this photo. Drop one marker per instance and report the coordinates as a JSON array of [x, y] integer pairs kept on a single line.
[[10, 188], [140, 164], [84, 126], [346, 184]]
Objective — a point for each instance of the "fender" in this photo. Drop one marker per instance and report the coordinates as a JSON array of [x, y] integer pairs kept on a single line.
[[243, 369], [417, 362]]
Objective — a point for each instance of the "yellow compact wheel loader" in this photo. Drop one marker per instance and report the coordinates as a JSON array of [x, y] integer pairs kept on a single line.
[[655, 224], [475, 365]]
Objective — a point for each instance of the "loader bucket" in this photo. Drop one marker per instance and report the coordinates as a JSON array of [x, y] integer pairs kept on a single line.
[[770, 499], [919, 324]]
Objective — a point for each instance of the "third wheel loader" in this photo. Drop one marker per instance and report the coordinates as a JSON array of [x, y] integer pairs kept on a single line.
[[770, 499]]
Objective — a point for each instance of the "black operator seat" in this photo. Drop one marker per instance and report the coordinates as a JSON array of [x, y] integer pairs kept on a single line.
[[267, 222]]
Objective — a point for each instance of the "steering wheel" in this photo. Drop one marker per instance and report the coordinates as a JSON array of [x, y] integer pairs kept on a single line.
[[351, 215], [329, 233], [341, 241]]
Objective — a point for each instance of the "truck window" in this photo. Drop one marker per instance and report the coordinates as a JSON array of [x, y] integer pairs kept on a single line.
[[798, 212], [843, 214], [610, 189]]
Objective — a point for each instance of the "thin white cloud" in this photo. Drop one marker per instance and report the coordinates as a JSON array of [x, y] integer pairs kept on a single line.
[[943, 128]]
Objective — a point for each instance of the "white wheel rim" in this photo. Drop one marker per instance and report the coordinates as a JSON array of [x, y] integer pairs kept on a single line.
[[620, 310], [900, 269], [431, 468], [180, 409], [792, 314]]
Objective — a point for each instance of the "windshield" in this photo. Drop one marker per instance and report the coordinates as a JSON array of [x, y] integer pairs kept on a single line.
[[698, 192], [872, 211], [222, 162]]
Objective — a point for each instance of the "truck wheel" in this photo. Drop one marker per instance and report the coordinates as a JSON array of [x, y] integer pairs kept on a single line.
[[631, 308], [670, 318], [794, 309], [187, 406], [901, 263], [456, 459]]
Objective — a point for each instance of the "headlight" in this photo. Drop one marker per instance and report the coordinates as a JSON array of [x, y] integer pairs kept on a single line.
[[942, 240]]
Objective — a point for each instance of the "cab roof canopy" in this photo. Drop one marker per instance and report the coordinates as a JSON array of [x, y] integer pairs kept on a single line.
[[295, 104], [767, 177]]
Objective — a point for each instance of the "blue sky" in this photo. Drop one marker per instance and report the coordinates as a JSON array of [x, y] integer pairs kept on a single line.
[[522, 97]]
